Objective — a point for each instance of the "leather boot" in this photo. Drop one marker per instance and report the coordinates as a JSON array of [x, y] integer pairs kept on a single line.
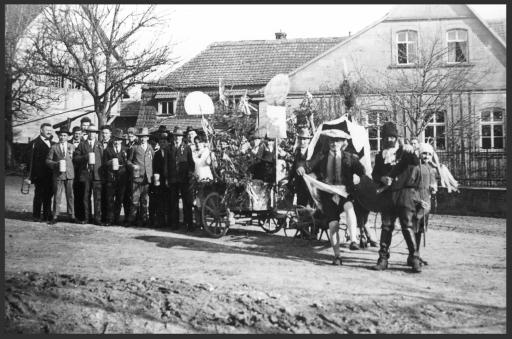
[[418, 243], [385, 242], [410, 240]]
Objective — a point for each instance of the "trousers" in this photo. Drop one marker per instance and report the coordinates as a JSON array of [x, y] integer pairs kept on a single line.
[[59, 187]]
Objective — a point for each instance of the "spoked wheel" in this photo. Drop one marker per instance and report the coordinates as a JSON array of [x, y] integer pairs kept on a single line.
[[272, 222], [215, 215]]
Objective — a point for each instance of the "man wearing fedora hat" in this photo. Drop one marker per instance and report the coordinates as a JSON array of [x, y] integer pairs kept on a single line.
[[303, 196], [180, 169], [158, 204], [336, 167], [391, 163], [130, 141], [116, 177], [60, 160], [141, 164], [88, 156]]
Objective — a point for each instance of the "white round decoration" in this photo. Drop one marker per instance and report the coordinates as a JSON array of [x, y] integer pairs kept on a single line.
[[277, 90], [199, 103]]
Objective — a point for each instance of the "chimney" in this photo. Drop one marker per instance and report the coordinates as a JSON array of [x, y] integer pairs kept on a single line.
[[280, 35]]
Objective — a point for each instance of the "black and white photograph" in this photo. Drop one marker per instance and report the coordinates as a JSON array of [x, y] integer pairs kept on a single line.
[[255, 169]]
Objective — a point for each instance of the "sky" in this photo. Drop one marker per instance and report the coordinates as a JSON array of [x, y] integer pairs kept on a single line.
[[191, 28]]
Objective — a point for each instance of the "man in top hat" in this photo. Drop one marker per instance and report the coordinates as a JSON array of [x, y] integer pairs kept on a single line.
[[159, 192], [180, 169], [116, 177], [141, 164], [88, 156], [40, 174], [336, 167], [390, 163], [60, 160], [77, 187], [296, 180]]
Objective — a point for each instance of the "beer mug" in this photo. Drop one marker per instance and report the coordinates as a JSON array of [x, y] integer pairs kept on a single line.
[[156, 179], [92, 158], [62, 165], [136, 171], [115, 164]]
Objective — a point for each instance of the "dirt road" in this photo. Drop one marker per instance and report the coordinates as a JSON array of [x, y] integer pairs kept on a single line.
[[70, 278]]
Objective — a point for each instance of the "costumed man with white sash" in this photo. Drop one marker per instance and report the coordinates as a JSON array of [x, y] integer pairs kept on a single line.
[[335, 171]]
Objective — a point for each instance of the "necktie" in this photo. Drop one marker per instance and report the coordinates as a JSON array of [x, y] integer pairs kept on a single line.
[[63, 148], [337, 168]]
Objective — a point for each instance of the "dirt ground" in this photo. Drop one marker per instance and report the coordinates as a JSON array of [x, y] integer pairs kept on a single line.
[[70, 278]]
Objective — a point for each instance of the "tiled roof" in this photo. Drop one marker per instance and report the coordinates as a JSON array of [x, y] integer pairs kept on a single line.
[[147, 116], [129, 108], [499, 26], [170, 123], [247, 62], [166, 95]]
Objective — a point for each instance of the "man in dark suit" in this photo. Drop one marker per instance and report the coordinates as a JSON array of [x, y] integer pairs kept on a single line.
[[336, 167], [106, 141], [60, 160], [85, 122], [77, 187], [159, 207], [180, 168], [299, 186], [141, 163], [116, 177], [130, 142], [40, 174], [89, 156]]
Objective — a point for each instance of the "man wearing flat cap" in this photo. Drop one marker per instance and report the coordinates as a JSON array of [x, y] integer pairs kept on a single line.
[[336, 167], [390, 165]]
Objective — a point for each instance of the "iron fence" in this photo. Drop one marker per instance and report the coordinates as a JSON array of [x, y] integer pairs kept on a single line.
[[476, 167]]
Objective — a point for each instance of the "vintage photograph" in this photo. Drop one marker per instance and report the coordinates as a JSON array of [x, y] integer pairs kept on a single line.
[[255, 169]]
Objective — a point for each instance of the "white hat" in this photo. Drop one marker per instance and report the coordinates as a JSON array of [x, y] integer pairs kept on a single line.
[[335, 134], [426, 148]]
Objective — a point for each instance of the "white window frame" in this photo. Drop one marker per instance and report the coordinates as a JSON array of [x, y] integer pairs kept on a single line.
[[408, 42], [492, 123], [167, 102], [435, 124], [379, 121], [457, 40]]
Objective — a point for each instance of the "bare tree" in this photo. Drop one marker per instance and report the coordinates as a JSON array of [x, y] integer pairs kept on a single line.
[[21, 94], [100, 48], [417, 92]]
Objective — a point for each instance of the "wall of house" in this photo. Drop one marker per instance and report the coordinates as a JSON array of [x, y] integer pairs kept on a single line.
[[70, 99]]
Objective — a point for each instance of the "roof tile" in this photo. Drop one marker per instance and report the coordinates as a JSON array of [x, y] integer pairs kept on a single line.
[[247, 62]]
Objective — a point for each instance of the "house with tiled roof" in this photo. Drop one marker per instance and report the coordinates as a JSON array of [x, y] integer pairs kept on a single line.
[[242, 65]]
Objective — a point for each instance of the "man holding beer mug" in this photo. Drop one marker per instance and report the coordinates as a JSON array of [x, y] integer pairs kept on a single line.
[[89, 156], [60, 160], [116, 177]]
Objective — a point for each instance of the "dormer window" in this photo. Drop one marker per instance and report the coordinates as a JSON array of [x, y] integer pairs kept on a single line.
[[457, 45], [407, 45], [167, 107]]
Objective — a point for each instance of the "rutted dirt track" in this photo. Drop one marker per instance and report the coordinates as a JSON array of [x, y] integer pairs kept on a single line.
[[72, 278]]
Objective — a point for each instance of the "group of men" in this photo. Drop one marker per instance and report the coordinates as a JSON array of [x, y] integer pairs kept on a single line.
[[404, 177], [101, 175]]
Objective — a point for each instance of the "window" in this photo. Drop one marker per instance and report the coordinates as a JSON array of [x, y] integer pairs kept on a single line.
[[73, 84], [436, 130], [407, 44], [457, 45], [491, 129], [50, 81], [167, 107], [375, 121]]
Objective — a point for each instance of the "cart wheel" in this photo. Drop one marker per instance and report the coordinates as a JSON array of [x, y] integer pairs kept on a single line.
[[272, 223], [215, 215]]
